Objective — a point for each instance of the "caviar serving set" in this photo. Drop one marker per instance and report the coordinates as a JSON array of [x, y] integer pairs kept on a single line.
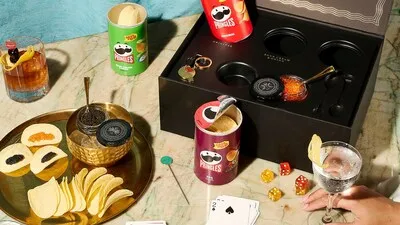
[[96, 149], [283, 51]]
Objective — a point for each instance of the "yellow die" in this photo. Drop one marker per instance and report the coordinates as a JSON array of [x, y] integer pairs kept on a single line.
[[274, 194], [267, 176], [301, 191]]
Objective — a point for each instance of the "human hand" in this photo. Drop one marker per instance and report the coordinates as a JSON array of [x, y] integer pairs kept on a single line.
[[368, 206]]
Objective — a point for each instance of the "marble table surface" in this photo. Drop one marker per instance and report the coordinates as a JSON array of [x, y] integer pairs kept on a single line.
[[69, 61]]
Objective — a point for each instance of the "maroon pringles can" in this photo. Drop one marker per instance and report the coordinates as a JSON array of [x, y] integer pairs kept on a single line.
[[229, 20], [217, 141]]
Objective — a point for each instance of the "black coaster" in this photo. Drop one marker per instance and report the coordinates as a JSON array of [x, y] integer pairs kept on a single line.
[[266, 88], [114, 132], [285, 41]]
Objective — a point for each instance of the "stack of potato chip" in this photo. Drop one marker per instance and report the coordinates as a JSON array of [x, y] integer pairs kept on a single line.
[[87, 190]]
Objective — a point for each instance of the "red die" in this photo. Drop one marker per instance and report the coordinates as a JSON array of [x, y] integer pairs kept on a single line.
[[302, 185], [284, 169]]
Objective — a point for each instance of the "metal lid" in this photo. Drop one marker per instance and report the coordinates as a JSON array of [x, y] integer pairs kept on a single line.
[[266, 88], [114, 132]]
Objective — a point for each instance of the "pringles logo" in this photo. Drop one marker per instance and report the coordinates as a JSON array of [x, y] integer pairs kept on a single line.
[[222, 17], [130, 37], [210, 160], [123, 53]]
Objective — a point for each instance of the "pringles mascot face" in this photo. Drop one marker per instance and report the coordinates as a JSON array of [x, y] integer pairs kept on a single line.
[[221, 13], [229, 20]]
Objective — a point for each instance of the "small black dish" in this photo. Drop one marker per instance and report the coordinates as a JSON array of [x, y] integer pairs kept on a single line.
[[342, 54], [285, 41], [236, 74], [266, 88]]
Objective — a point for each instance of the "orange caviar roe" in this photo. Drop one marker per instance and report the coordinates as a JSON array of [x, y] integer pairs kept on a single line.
[[40, 137], [294, 89]]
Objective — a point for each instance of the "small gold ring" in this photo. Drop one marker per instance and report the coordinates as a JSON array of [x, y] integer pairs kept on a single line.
[[202, 63]]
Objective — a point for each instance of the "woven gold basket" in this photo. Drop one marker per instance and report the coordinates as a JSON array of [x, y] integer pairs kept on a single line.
[[104, 156]]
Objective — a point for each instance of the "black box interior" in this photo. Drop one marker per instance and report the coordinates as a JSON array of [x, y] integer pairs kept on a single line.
[[280, 44]]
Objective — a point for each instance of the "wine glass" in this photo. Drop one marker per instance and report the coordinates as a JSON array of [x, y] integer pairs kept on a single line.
[[342, 164]]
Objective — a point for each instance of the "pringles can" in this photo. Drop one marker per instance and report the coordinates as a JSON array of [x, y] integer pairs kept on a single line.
[[229, 20], [127, 34], [217, 141]]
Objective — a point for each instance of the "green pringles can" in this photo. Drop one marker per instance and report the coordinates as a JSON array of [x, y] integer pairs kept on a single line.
[[127, 34]]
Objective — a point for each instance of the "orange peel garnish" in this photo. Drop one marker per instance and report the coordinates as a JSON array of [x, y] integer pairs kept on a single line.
[[30, 52]]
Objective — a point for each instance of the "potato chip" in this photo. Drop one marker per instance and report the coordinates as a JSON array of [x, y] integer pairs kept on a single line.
[[116, 196], [314, 150], [97, 184], [94, 204], [108, 188], [244, 10], [80, 178], [222, 124], [63, 203], [91, 177], [246, 16], [128, 16], [65, 193], [79, 200], [71, 201], [43, 199], [238, 6]]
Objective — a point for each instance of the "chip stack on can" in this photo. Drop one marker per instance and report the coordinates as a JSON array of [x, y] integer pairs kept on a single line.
[[229, 20], [127, 33], [217, 141]]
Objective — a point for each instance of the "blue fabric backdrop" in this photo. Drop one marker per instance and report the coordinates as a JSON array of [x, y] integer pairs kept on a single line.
[[54, 20]]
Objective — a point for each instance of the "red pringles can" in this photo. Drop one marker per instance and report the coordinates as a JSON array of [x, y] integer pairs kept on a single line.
[[217, 141], [229, 20]]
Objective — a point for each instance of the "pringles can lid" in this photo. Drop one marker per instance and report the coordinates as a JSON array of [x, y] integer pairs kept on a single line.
[[209, 112]]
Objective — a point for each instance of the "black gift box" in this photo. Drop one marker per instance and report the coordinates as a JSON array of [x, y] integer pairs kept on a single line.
[[284, 41]]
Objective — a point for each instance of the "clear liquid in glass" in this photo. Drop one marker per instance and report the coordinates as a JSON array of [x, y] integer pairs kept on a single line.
[[342, 170]]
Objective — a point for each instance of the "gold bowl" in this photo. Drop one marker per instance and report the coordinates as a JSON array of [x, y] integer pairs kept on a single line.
[[102, 155]]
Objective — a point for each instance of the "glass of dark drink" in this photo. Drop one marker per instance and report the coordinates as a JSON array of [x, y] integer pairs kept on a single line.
[[25, 69]]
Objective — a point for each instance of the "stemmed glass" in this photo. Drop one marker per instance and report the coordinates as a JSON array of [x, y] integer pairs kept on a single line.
[[341, 168]]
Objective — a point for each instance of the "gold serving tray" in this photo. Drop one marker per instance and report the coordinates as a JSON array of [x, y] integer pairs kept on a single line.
[[136, 169]]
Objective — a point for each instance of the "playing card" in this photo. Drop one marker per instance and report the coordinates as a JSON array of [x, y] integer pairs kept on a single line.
[[254, 206], [228, 213]]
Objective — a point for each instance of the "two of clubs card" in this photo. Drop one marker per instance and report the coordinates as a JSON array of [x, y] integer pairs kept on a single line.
[[230, 210]]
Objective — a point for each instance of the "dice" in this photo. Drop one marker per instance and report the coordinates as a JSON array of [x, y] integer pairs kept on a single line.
[[302, 185], [274, 194], [284, 168], [267, 176]]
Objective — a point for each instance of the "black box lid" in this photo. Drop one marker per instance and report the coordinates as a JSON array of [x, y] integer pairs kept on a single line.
[[366, 15]]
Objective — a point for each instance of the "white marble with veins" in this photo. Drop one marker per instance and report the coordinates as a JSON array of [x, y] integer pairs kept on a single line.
[[71, 60]]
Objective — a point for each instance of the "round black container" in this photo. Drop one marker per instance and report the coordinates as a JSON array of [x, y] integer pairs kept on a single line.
[[285, 41], [266, 88], [343, 55], [237, 74]]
